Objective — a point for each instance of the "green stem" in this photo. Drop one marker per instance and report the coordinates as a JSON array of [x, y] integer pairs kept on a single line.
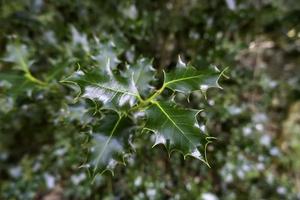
[[156, 94], [144, 103], [25, 68], [31, 78]]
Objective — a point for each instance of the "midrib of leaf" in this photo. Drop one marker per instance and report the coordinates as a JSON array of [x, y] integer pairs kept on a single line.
[[139, 76], [112, 89], [182, 79], [107, 142], [117, 91], [22, 61], [25, 68], [174, 123]]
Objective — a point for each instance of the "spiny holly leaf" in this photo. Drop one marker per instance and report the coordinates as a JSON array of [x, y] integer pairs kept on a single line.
[[19, 55], [79, 39], [186, 78], [112, 90], [143, 73], [177, 128], [106, 52], [13, 84], [100, 52], [108, 144]]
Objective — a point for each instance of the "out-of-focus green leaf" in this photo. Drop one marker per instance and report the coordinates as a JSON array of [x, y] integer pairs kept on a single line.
[[143, 73], [18, 54], [106, 53], [13, 84]]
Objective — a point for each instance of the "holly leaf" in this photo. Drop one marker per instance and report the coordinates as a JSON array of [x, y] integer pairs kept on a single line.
[[19, 55], [112, 90], [143, 73], [119, 90], [79, 39], [186, 78], [106, 52], [13, 84], [108, 145], [177, 128]]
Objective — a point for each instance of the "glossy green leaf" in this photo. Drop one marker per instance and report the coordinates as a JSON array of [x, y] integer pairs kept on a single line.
[[108, 144], [112, 90], [143, 73], [177, 128], [186, 78], [106, 53]]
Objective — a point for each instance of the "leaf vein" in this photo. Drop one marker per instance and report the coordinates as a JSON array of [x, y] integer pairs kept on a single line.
[[173, 122]]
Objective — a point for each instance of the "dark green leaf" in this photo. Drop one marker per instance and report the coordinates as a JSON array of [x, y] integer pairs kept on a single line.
[[13, 84], [143, 73], [112, 90], [108, 145], [177, 128], [18, 54], [186, 78], [106, 53]]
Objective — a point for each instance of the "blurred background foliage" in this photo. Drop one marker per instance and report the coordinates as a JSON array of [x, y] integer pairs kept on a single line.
[[256, 118]]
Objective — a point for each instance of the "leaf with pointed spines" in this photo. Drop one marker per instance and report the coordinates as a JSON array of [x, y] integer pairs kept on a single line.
[[109, 143], [103, 85], [19, 55], [143, 73], [177, 128], [106, 52], [100, 52], [16, 84], [79, 39], [19, 84], [186, 78]]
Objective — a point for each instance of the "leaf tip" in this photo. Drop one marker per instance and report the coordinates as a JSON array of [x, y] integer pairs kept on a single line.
[[195, 153], [159, 139], [180, 63]]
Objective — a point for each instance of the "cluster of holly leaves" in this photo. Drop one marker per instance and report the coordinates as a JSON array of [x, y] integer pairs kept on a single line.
[[126, 99], [40, 128], [129, 101]]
